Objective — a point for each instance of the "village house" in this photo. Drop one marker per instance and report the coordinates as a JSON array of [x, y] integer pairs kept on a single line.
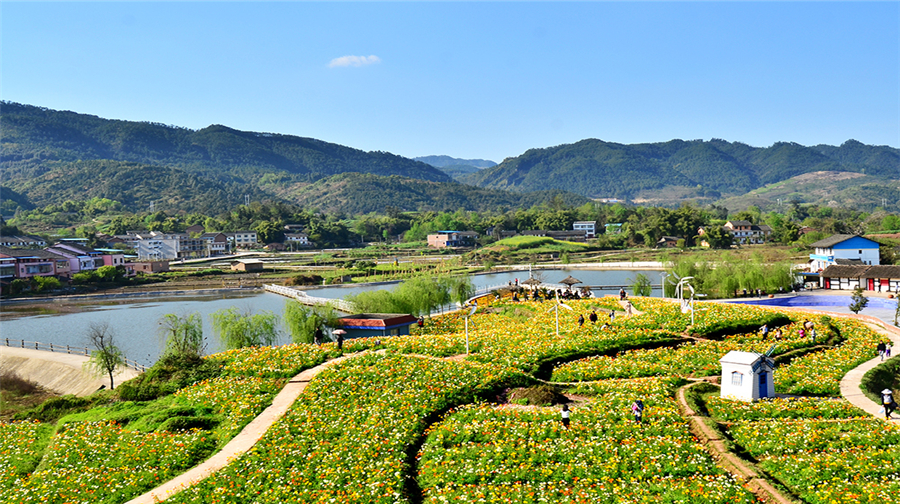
[[80, 258], [844, 250], [452, 239], [668, 242], [243, 239], [745, 233], [364, 325], [22, 241], [877, 278], [146, 267], [296, 240], [216, 243], [29, 263], [589, 228], [247, 265]]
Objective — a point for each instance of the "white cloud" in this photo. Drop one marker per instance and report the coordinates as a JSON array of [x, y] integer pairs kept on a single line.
[[354, 61]]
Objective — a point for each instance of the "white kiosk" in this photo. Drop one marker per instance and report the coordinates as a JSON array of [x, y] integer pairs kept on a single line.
[[747, 376]]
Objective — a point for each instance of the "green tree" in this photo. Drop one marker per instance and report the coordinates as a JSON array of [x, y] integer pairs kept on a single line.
[[858, 300], [641, 285], [107, 273], [239, 330], [182, 336], [717, 237], [44, 283], [302, 321], [105, 356]]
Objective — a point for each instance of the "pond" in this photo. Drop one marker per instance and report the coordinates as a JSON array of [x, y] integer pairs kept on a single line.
[[135, 321]]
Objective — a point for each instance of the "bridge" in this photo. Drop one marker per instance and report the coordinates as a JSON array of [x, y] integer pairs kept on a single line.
[[305, 299]]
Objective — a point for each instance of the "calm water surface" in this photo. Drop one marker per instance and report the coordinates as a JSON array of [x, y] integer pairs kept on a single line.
[[135, 321]]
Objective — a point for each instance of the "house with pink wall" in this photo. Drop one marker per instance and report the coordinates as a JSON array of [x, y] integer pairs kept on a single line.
[[32, 263], [80, 258]]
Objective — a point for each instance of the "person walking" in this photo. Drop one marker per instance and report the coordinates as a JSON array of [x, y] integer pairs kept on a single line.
[[765, 331], [887, 399], [580, 320], [622, 294], [317, 336], [340, 341], [881, 349], [637, 409], [628, 308], [887, 349], [593, 317], [564, 413], [612, 315]]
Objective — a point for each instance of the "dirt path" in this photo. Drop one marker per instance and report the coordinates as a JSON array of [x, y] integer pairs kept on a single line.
[[241, 443], [729, 461]]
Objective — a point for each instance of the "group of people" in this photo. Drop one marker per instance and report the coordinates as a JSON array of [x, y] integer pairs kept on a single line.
[[884, 349], [593, 317], [637, 409], [807, 328]]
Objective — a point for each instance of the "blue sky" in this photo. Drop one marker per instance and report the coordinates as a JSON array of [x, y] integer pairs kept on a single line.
[[470, 80]]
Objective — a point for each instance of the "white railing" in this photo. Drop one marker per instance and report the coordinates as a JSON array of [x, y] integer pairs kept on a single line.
[[50, 347], [304, 298]]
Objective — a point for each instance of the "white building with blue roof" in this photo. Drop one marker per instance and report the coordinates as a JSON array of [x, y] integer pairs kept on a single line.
[[845, 250]]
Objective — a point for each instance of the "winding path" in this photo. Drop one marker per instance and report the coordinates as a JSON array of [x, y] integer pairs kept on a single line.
[[850, 383], [241, 443]]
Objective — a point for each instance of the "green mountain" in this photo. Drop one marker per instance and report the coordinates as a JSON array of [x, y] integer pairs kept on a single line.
[[357, 193], [678, 168], [50, 156], [135, 185]]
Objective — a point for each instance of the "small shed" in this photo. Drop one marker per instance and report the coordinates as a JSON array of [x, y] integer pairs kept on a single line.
[[247, 265], [362, 325], [747, 376]]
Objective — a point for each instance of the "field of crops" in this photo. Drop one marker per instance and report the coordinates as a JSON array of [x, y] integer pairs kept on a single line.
[[397, 421]]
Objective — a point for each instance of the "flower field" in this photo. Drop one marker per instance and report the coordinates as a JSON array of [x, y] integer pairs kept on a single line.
[[821, 372], [406, 424], [103, 463], [20, 451], [347, 436], [694, 358], [485, 453], [824, 450]]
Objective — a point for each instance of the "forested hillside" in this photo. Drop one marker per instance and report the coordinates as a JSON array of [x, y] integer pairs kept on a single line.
[[33, 134], [714, 168], [358, 193]]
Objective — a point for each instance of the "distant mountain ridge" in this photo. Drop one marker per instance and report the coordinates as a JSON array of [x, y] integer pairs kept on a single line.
[[711, 169], [443, 161], [456, 167], [49, 156]]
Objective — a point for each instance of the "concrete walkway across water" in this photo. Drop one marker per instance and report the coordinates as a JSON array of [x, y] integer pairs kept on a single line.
[[241, 443]]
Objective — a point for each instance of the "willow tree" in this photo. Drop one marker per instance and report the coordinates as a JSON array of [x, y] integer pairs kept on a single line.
[[239, 330], [182, 336], [302, 322]]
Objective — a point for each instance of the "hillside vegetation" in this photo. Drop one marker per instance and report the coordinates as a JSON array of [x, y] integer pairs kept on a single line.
[[705, 169]]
